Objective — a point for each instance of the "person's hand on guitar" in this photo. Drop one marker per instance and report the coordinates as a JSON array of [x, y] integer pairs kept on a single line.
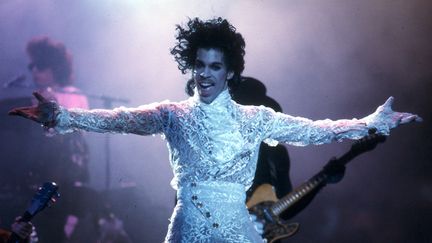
[[334, 171], [22, 229], [259, 226], [335, 168], [45, 112]]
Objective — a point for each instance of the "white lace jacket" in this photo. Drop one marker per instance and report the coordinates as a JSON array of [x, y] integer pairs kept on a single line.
[[213, 142]]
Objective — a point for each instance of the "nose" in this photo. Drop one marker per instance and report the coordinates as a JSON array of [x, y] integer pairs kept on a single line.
[[205, 73]]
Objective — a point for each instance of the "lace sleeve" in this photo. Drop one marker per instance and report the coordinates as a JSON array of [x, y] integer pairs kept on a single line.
[[302, 131], [144, 120]]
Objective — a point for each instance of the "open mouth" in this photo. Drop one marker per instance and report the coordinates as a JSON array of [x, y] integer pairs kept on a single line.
[[205, 86]]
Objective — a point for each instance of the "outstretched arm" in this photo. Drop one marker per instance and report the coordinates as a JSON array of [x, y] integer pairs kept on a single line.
[[301, 131], [143, 120]]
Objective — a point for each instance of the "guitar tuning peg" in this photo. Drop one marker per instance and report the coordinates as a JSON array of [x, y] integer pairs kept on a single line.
[[51, 202], [53, 199]]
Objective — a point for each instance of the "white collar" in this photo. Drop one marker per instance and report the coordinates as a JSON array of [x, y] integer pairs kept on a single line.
[[222, 100]]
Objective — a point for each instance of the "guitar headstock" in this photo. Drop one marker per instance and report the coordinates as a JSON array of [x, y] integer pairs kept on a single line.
[[45, 196], [369, 142]]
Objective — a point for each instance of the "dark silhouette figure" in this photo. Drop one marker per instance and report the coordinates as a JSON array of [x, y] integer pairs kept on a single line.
[[273, 164]]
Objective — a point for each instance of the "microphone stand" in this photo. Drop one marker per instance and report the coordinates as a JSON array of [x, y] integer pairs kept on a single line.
[[107, 104]]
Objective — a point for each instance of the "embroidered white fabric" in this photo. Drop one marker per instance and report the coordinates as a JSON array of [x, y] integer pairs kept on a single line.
[[200, 217], [216, 142]]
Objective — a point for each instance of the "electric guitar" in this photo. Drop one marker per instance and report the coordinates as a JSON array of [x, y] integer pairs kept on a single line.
[[267, 208], [45, 196]]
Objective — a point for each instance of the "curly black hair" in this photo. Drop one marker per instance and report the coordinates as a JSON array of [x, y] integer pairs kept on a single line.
[[48, 53], [215, 33]]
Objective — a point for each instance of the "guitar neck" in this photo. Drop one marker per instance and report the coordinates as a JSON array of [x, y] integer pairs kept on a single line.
[[298, 193], [317, 180], [46, 193]]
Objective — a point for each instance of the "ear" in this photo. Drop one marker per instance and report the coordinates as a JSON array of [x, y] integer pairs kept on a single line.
[[230, 75]]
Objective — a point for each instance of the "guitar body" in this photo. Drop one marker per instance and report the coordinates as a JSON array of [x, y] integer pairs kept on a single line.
[[267, 207], [264, 192], [259, 205]]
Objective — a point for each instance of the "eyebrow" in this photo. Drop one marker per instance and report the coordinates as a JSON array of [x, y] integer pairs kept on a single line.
[[213, 63]]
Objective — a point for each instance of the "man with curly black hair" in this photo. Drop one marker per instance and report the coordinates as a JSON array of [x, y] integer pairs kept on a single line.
[[215, 35], [213, 141]]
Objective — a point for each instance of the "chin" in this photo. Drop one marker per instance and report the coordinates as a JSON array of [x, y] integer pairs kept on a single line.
[[206, 99]]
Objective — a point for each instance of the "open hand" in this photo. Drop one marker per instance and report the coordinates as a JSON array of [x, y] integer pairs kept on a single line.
[[384, 118], [45, 112], [396, 118]]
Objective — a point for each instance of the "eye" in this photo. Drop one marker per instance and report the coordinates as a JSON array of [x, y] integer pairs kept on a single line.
[[198, 64], [216, 67]]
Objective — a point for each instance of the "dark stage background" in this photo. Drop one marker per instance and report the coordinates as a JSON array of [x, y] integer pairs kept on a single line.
[[319, 59]]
